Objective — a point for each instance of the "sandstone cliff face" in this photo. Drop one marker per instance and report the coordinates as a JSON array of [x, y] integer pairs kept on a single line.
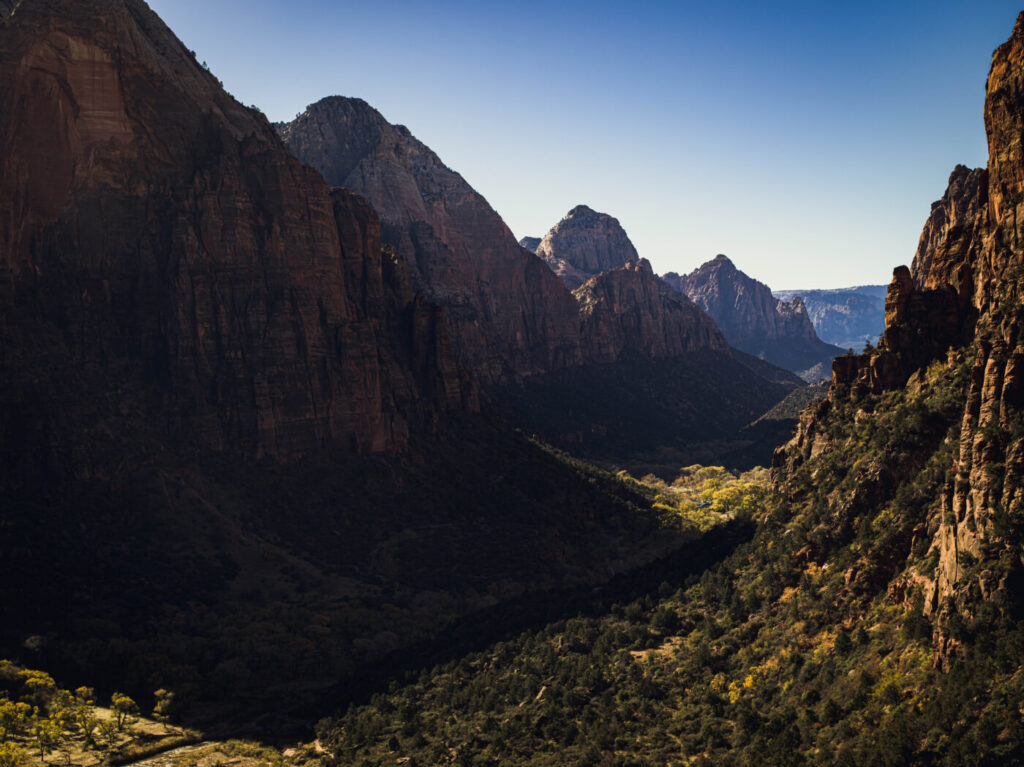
[[583, 244], [508, 314], [169, 267], [958, 308], [630, 310], [751, 318]]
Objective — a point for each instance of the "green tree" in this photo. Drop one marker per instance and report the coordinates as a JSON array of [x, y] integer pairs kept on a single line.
[[124, 709], [163, 700], [12, 756], [45, 736]]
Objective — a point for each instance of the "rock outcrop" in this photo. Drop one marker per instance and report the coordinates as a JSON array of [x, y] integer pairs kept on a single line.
[[169, 268], [845, 317], [751, 318], [630, 310], [956, 315], [508, 314]]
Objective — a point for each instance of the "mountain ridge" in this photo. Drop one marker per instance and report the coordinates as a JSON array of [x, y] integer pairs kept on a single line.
[[751, 318]]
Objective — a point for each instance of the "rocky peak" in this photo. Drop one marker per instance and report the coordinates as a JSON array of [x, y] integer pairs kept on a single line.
[[630, 309], [530, 243], [585, 243], [508, 314], [752, 319]]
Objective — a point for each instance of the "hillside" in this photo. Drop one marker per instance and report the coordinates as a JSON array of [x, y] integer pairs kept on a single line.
[[876, 616], [241, 458]]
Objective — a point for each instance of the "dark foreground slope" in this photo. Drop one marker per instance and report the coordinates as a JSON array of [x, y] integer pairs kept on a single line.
[[877, 618], [239, 456]]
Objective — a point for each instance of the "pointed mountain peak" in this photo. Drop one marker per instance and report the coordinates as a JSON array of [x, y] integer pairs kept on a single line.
[[585, 243]]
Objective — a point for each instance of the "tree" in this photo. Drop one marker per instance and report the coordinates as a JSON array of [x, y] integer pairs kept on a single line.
[[108, 732], [12, 756], [45, 736], [124, 709], [39, 687], [163, 700]]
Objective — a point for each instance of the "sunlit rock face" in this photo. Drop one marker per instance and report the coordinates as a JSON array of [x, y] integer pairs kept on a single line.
[[630, 309], [584, 244], [960, 306]]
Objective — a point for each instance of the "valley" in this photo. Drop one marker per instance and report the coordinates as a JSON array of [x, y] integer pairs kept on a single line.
[[307, 460]]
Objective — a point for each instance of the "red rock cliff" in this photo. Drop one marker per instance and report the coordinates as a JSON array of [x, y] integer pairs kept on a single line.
[[960, 304], [166, 263], [630, 309]]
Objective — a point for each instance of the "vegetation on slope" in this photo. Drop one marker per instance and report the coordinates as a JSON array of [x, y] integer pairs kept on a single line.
[[41, 722], [221, 585], [808, 645]]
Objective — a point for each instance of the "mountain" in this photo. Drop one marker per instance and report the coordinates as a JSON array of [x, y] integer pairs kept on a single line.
[[507, 313], [158, 278], [513, 324], [629, 309], [583, 244], [530, 243], [876, 616], [662, 387], [241, 457], [752, 319], [847, 317]]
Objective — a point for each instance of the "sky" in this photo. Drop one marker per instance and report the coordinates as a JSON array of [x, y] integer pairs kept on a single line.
[[805, 140]]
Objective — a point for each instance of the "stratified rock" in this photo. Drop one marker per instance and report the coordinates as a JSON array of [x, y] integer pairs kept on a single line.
[[630, 310], [583, 244], [508, 314], [751, 318], [950, 233], [169, 269]]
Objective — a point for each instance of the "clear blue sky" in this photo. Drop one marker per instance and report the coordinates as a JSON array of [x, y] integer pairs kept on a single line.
[[806, 140]]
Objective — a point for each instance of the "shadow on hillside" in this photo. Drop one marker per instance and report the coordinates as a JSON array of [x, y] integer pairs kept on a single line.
[[500, 623]]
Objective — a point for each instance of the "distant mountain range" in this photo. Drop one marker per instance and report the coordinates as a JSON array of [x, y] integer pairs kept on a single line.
[[845, 317]]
